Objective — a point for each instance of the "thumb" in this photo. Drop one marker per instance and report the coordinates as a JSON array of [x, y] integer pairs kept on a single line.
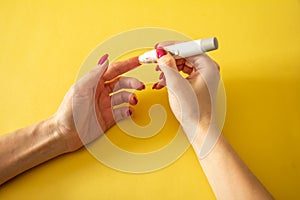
[[168, 66], [182, 98], [165, 58]]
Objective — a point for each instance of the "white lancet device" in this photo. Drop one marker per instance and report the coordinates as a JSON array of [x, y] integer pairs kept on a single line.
[[185, 49]]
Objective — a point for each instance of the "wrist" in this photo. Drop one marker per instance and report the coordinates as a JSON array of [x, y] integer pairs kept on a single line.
[[205, 121], [66, 134], [207, 132], [55, 139]]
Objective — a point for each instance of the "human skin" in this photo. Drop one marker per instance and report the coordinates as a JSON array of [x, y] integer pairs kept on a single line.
[[227, 174], [57, 135]]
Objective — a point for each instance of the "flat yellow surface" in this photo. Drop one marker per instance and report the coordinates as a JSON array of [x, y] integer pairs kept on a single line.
[[43, 43]]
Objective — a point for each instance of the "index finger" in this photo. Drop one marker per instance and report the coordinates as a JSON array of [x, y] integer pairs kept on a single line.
[[117, 68]]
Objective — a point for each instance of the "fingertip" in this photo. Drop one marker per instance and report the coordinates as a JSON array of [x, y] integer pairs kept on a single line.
[[160, 52], [167, 60], [133, 100], [156, 45], [142, 87], [129, 112], [159, 86], [134, 61], [103, 59], [157, 68], [154, 86], [161, 76]]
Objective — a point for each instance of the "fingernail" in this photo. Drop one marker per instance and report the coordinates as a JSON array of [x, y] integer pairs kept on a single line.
[[157, 68], [154, 86], [102, 59], [141, 87], [129, 112], [161, 76], [160, 52], [135, 100]]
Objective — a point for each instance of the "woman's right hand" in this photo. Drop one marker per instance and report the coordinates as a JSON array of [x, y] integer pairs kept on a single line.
[[228, 176], [195, 93]]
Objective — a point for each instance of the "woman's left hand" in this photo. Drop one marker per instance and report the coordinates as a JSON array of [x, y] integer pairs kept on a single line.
[[88, 109]]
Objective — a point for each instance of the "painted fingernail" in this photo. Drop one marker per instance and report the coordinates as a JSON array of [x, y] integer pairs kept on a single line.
[[129, 112], [157, 68], [161, 76], [135, 100], [102, 59], [154, 86], [160, 52], [141, 87]]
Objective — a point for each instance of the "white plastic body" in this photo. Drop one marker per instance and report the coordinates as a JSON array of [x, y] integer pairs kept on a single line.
[[185, 49]]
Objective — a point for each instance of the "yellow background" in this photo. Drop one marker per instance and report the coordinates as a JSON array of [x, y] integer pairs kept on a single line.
[[43, 43]]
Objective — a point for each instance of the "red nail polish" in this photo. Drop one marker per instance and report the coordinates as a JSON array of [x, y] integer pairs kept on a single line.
[[129, 112], [161, 76], [135, 100], [141, 87], [160, 52], [102, 59], [154, 86], [157, 68]]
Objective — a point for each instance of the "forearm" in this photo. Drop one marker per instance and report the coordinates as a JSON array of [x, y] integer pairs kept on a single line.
[[228, 176], [28, 147]]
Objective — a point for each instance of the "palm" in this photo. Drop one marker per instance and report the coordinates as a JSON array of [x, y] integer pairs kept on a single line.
[[88, 109]]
